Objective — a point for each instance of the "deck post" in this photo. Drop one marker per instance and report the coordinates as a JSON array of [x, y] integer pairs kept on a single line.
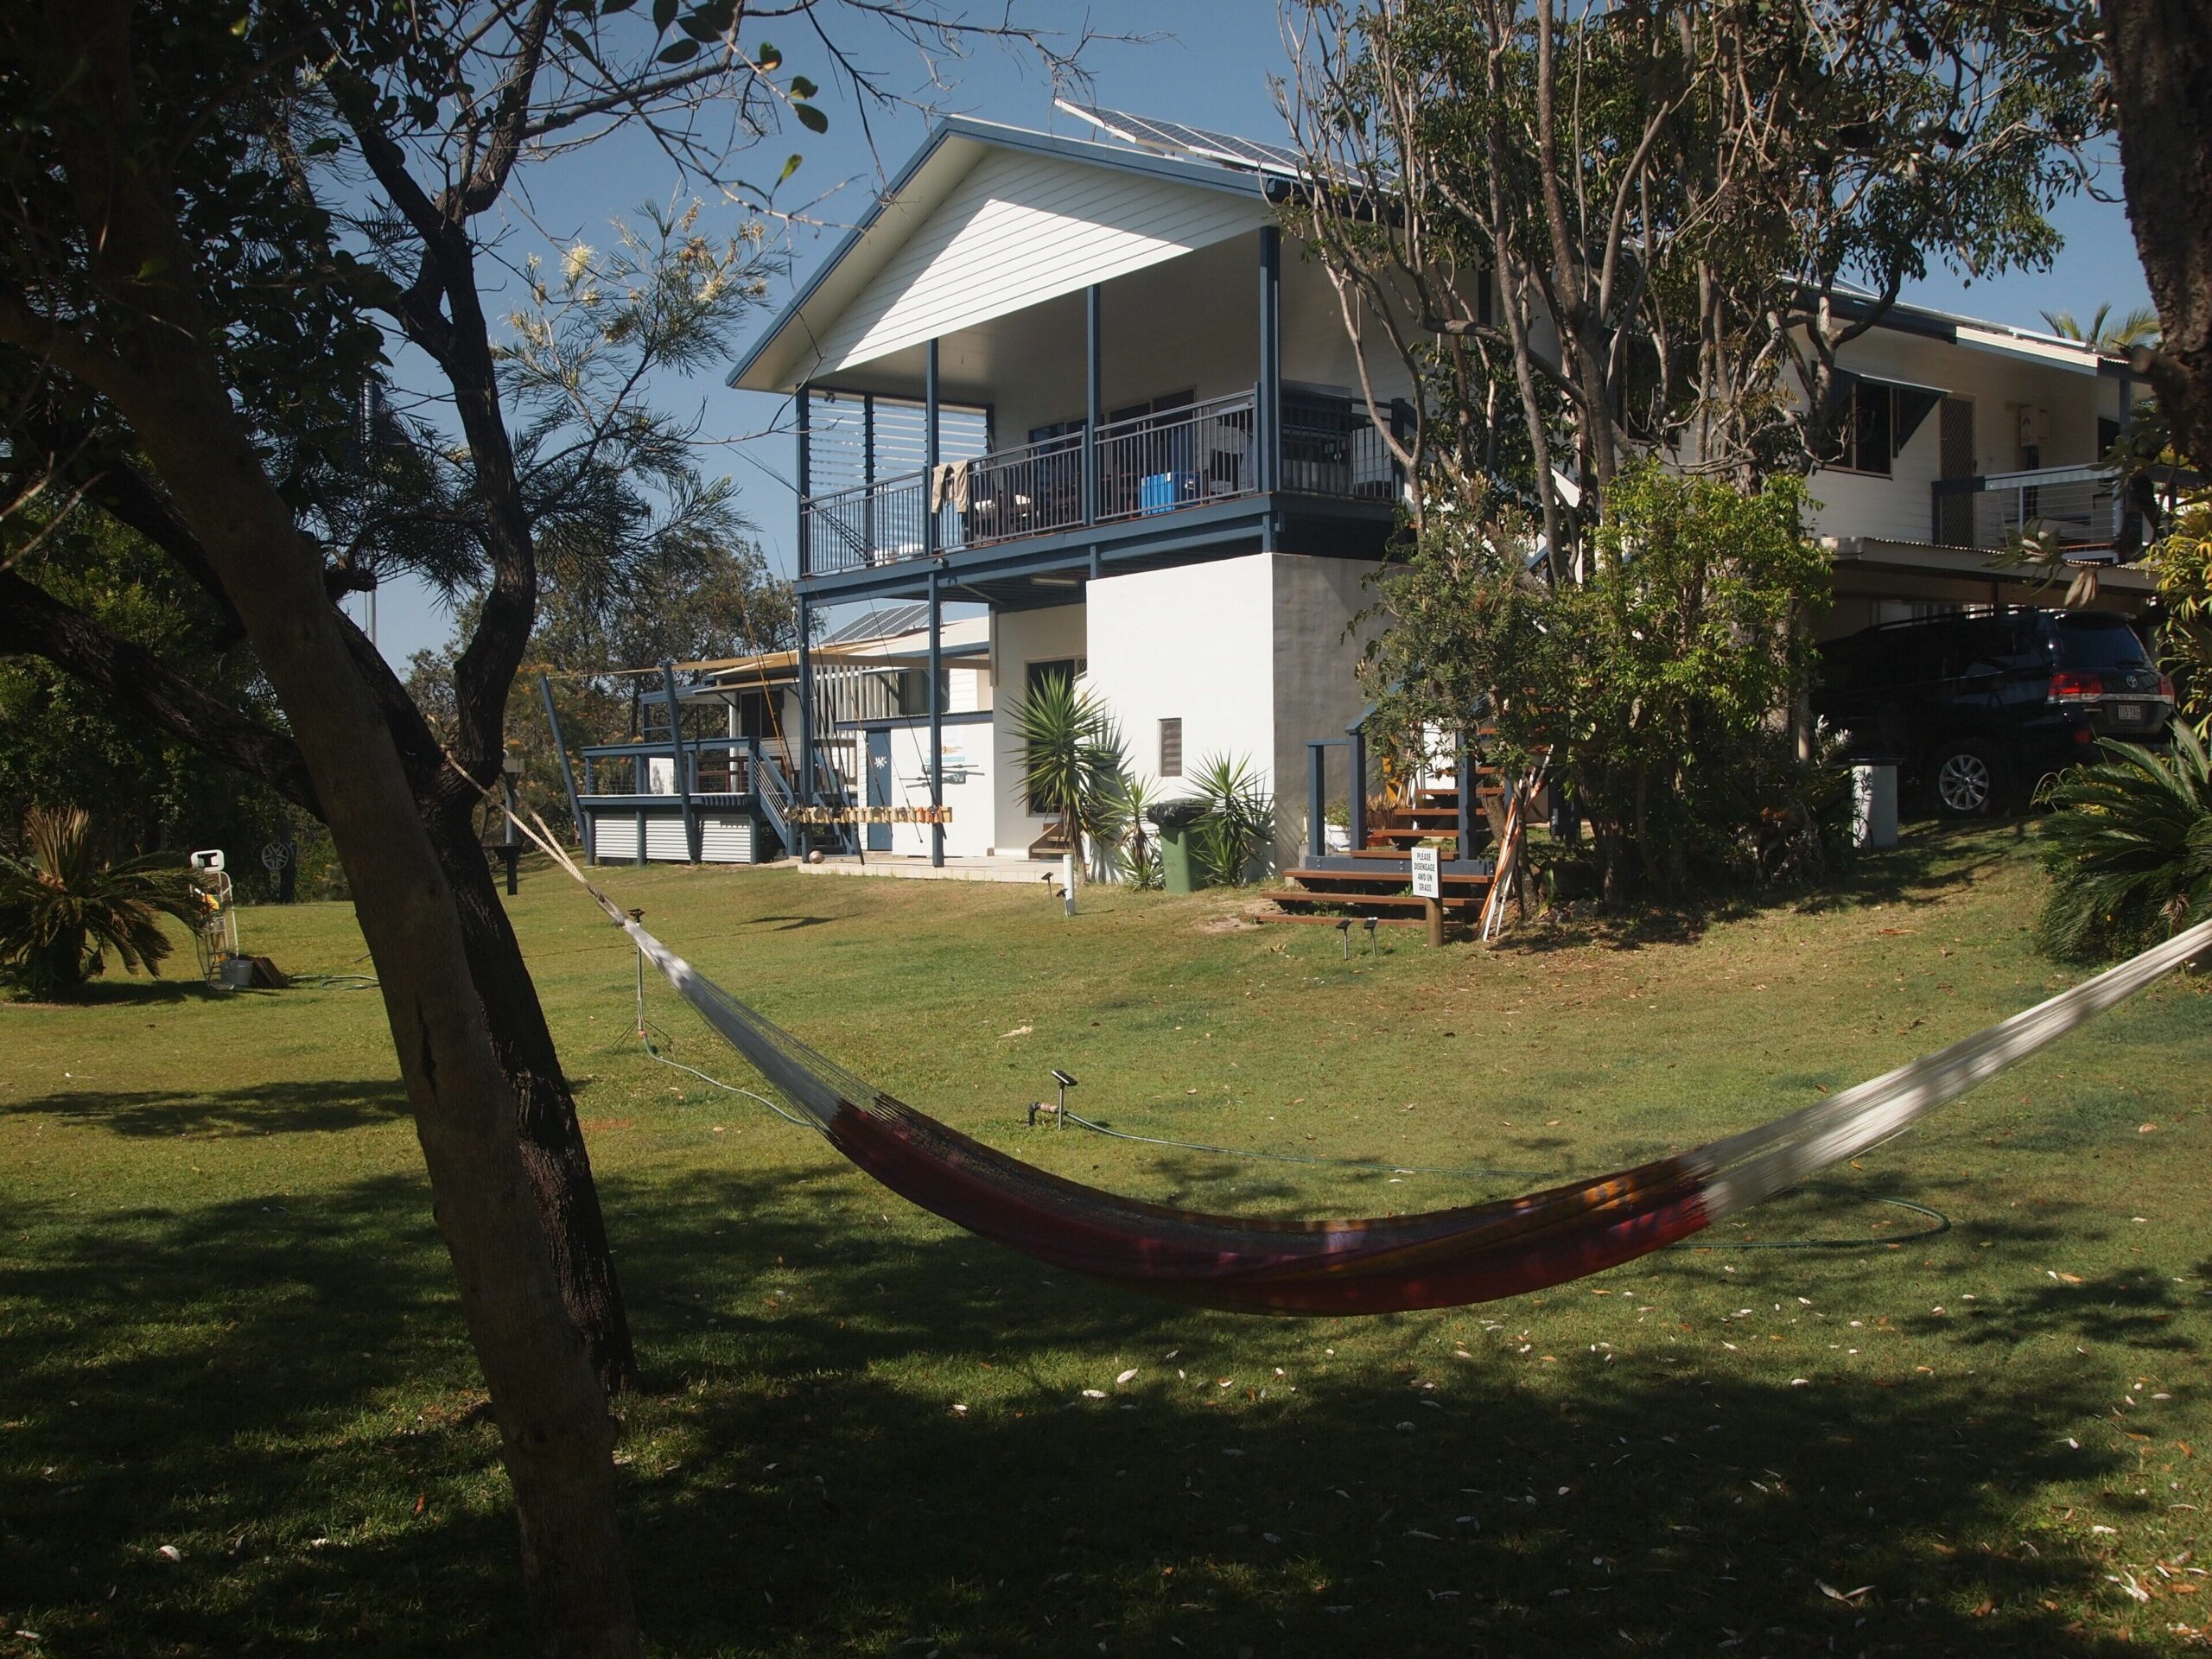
[[868, 473], [930, 530], [1461, 773], [805, 475], [676, 754], [1355, 787], [937, 719], [803, 764], [568, 775], [1093, 410], [1267, 415], [1317, 796]]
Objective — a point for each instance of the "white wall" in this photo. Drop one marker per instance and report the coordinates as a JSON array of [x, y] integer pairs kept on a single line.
[[1898, 508], [1018, 639], [969, 758], [1194, 643], [1022, 228]]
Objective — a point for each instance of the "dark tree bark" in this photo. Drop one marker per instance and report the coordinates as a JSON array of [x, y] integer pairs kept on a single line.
[[2159, 54], [155, 359]]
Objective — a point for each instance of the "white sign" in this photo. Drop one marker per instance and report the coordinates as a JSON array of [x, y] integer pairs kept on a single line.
[[1427, 882]]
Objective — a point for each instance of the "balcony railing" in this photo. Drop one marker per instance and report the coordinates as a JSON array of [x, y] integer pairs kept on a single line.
[[1146, 464], [2062, 507]]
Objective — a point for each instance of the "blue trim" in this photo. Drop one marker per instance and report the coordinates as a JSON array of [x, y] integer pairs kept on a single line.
[[1205, 174], [914, 722]]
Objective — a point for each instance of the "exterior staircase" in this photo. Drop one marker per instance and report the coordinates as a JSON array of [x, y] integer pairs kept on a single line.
[[1375, 878]]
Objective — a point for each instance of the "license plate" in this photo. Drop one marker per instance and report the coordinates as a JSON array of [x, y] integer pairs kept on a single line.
[[2132, 714]]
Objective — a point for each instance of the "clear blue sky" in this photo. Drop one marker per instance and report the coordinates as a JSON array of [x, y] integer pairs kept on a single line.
[[1208, 62]]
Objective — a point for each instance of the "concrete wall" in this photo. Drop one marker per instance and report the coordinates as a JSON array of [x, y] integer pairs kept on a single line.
[[1317, 692], [1195, 643], [1018, 639]]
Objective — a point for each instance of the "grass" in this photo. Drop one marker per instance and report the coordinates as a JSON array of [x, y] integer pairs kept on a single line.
[[229, 1328]]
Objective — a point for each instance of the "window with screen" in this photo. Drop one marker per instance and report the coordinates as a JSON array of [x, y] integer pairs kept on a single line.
[[1170, 748]]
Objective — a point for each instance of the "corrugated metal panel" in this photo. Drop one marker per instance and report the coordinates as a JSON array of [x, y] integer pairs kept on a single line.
[[1020, 229], [726, 841], [666, 840], [614, 836]]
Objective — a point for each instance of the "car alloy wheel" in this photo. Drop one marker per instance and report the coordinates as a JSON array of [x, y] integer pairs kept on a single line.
[[1964, 783]]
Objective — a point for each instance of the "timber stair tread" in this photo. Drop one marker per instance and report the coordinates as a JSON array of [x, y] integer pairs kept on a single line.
[[1363, 903]]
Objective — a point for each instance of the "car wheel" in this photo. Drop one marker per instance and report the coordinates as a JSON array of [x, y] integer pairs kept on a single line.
[[1966, 779]]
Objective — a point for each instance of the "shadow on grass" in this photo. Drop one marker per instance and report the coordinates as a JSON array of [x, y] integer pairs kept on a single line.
[[281, 1389], [127, 991], [262, 1108], [1933, 859]]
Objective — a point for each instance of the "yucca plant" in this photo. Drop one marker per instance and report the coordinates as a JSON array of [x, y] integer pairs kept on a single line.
[[63, 908], [1071, 756], [1132, 852], [2129, 847], [1239, 822]]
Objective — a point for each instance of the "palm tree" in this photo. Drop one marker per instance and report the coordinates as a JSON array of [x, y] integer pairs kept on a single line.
[[62, 909], [2129, 850], [1071, 755], [2138, 327]]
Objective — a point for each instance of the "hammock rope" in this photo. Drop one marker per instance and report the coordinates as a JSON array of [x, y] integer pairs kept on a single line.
[[1438, 1258]]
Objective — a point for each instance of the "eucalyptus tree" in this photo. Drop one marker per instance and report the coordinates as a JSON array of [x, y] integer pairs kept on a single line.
[[220, 218], [1591, 232]]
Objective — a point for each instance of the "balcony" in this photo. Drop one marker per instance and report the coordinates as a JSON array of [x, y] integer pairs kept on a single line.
[[2072, 510], [1125, 472]]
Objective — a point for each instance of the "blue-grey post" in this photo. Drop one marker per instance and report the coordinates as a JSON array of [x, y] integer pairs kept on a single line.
[[1317, 796], [676, 760], [805, 403], [567, 774], [930, 456], [1268, 417], [936, 717], [802, 763], [1094, 401]]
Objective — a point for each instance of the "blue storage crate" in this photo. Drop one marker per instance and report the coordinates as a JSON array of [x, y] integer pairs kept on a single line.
[[1160, 492]]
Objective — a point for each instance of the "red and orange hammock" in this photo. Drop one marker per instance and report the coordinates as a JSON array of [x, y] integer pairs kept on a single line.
[[1441, 1258]]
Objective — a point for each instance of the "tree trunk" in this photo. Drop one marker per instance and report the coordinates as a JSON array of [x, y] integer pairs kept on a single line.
[[2159, 54], [157, 363]]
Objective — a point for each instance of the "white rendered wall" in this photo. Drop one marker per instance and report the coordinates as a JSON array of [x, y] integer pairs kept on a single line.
[[1195, 643], [1018, 639]]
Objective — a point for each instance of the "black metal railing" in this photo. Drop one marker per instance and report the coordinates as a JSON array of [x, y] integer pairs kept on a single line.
[[1156, 463], [1153, 463]]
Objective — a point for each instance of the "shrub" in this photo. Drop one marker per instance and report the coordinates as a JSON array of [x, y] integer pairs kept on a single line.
[[63, 908], [2129, 849], [1234, 835]]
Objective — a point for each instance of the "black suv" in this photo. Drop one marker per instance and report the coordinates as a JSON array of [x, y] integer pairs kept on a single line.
[[1977, 709]]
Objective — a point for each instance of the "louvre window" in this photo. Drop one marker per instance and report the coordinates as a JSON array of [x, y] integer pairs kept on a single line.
[[1170, 748]]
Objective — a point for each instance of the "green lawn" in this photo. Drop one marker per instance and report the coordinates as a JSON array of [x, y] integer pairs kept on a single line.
[[227, 1325]]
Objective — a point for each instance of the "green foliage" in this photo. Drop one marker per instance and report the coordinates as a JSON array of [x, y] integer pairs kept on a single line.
[[63, 743], [2138, 327], [1072, 762], [2181, 561], [1659, 686], [2129, 849], [63, 907], [1231, 839]]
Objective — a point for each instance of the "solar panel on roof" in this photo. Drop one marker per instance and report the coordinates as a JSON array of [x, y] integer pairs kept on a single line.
[[1174, 138]]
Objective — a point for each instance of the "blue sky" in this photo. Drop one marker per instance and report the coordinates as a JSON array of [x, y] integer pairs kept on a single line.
[[1208, 62]]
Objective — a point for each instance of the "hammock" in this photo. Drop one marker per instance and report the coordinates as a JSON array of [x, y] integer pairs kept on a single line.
[[1442, 1258]]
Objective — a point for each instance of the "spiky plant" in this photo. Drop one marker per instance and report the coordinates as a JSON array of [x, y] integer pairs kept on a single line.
[[63, 908], [1071, 753], [1239, 821], [2129, 847]]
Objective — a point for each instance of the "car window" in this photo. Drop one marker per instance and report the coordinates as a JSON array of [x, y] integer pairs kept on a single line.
[[1980, 646], [2098, 642]]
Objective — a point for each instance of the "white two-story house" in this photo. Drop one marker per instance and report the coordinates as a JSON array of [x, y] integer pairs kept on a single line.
[[1093, 388]]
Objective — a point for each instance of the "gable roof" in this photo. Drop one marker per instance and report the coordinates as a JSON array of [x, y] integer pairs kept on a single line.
[[815, 328]]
